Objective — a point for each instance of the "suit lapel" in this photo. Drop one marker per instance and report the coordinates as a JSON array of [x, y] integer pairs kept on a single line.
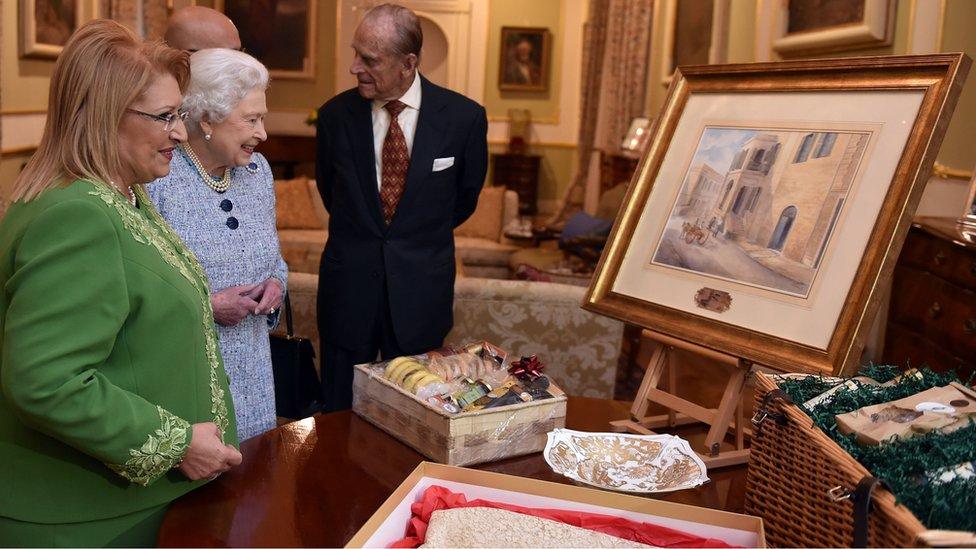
[[362, 139], [426, 142]]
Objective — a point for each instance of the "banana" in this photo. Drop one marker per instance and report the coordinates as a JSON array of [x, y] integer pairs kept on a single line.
[[401, 370], [393, 364], [427, 379], [412, 378], [409, 368]]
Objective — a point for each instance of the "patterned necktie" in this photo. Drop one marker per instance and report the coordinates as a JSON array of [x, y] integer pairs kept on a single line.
[[396, 159]]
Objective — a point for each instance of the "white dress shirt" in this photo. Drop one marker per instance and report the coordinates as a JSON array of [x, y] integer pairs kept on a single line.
[[407, 120]]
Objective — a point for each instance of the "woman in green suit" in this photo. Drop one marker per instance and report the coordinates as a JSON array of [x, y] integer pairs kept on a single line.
[[114, 399]]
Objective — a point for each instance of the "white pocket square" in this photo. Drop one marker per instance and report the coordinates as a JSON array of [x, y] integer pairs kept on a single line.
[[441, 164]]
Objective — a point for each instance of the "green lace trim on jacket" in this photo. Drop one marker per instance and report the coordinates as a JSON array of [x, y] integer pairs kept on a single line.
[[158, 234], [161, 452]]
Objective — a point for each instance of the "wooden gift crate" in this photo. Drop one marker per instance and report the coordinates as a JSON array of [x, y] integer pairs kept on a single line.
[[465, 438], [797, 481]]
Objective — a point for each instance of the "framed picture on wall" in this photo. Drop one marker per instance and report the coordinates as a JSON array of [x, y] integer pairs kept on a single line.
[[45, 26], [523, 63], [822, 26], [695, 33], [771, 204], [279, 34]]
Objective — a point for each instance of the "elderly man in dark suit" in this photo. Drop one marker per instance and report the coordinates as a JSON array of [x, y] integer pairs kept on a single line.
[[400, 164]]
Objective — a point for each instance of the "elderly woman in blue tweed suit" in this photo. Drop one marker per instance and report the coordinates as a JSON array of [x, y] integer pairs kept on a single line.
[[219, 197]]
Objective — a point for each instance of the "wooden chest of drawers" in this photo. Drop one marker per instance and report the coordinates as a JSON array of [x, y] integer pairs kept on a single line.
[[520, 173], [932, 317]]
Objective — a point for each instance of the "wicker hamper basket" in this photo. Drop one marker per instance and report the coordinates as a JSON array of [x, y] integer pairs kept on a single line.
[[799, 480]]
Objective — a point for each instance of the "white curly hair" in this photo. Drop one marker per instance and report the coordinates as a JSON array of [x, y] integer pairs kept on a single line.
[[219, 80]]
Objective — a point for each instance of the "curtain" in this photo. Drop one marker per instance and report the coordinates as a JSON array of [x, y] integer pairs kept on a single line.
[[616, 45]]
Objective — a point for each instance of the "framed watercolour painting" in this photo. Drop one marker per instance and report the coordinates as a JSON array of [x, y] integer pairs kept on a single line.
[[45, 26], [279, 34], [772, 202], [523, 64], [822, 26]]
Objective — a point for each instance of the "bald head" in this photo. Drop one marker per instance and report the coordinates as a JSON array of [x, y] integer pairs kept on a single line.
[[196, 28]]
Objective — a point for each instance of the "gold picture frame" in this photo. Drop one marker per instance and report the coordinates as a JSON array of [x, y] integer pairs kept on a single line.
[[288, 50], [46, 27], [863, 182], [696, 32], [524, 59], [804, 27]]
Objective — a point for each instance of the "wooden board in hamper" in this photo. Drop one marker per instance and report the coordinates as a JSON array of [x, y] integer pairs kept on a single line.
[[793, 466], [455, 439]]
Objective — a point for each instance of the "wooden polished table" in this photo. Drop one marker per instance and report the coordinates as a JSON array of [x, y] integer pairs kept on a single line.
[[315, 482]]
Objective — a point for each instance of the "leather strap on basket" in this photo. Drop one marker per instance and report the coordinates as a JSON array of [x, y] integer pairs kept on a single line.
[[861, 498], [763, 413]]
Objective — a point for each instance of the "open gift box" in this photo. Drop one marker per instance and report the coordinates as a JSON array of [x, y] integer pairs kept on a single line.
[[388, 523], [464, 438]]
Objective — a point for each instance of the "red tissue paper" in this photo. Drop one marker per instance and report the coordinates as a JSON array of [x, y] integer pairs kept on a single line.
[[437, 498]]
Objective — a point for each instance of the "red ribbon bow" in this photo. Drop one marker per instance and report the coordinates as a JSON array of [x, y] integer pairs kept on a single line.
[[527, 369]]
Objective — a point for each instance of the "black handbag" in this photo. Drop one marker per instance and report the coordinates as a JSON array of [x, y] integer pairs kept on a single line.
[[297, 387]]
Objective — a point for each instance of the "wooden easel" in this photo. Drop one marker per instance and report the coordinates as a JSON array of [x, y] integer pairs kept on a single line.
[[684, 412]]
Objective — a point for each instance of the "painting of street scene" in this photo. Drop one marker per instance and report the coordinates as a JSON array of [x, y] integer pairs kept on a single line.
[[759, 206]]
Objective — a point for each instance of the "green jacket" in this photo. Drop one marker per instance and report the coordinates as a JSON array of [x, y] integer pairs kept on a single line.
[[108, 354]]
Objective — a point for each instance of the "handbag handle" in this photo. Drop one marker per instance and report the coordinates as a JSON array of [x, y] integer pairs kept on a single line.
[[288, 324]]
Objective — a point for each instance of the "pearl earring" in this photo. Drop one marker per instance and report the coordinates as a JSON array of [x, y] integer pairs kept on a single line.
[[207, 137]]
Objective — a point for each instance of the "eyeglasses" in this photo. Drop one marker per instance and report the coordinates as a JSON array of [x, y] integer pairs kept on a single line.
[[168, 119]]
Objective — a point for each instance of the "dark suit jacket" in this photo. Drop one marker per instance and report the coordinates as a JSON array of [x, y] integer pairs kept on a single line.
[[413, 258]]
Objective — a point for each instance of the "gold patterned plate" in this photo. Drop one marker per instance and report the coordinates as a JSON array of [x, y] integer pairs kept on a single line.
[[627, 463]]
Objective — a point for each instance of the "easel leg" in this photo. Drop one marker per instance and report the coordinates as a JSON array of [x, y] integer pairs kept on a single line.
[[655, 368], [681, 411], [726, 408]]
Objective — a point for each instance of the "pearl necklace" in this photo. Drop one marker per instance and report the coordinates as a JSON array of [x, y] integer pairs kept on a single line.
[[130, 196], [220, 185]]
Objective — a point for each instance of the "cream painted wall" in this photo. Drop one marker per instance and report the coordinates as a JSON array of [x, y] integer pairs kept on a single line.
[[519, 13], [305, 95], [959, 150]]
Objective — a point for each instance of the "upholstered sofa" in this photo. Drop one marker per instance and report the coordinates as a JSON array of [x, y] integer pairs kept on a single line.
[[480, 242], [580, 349]]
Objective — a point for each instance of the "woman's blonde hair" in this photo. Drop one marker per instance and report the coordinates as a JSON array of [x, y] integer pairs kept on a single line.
[[102, 70]]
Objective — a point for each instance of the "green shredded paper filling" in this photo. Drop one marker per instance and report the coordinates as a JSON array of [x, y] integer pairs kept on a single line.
[[906, 465]]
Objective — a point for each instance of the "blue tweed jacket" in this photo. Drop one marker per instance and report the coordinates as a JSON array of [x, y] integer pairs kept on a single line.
[[233, 234]]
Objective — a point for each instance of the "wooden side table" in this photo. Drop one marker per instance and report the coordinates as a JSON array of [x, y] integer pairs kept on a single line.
[[616, 168], [520, 173]]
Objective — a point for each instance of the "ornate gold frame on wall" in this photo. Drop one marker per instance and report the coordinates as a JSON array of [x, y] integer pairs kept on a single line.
[[27, 39], [545, 59], [939, 78], [875, 29], [307, 71]]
